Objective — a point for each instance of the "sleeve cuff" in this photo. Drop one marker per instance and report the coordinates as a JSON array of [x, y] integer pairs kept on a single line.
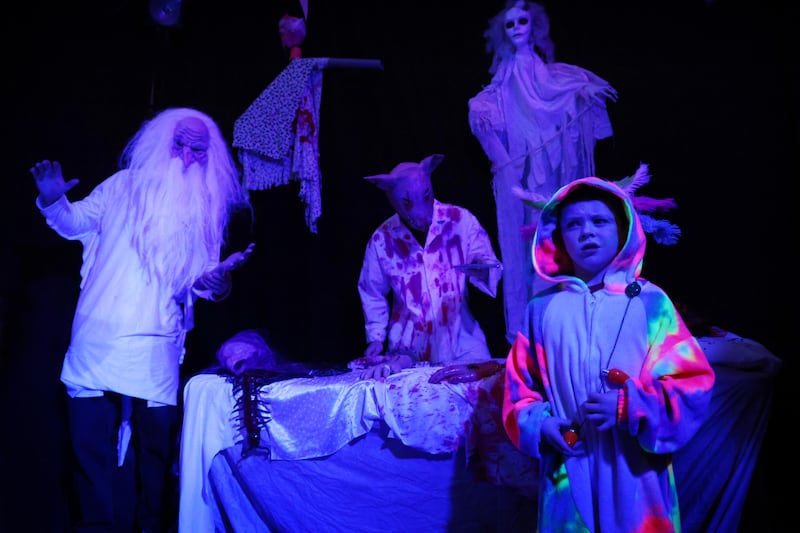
[[622, 406]]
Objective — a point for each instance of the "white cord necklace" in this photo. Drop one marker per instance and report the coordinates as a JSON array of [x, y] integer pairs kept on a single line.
[[631, 291]]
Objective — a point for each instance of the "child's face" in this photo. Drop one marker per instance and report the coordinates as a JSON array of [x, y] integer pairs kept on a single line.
[[589, 232]]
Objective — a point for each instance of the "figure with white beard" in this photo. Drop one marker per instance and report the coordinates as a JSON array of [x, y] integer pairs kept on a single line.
[[152, 234]]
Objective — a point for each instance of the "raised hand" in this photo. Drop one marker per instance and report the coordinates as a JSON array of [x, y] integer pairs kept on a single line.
[[50, 181], [219, 280], [236, 259]]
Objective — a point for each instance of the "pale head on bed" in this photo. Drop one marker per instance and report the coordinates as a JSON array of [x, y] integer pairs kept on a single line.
[[247, 350]]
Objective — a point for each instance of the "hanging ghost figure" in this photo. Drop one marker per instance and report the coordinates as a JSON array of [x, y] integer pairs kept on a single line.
[[413, 279], [538, 122]]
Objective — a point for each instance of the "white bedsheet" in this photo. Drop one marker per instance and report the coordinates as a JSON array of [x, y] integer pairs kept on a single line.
[[315, 417]]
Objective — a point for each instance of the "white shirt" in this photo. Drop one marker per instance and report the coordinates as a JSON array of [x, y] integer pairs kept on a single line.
[[128, 331]]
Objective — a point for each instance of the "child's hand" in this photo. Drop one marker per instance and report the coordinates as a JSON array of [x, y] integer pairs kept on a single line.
[[552, 433], [600, 409]]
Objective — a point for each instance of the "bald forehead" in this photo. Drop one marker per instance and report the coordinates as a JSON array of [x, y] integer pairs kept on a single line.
[[190, 141], [191, 129]]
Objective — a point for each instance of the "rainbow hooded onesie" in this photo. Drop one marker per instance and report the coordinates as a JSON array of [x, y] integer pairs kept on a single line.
[[622, 481]]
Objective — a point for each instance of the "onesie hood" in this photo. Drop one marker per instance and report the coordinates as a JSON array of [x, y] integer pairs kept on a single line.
[[550, 259]]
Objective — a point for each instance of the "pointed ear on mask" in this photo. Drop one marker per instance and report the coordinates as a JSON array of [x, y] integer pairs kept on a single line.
[[431, 162], [402, 171], [384, 182]]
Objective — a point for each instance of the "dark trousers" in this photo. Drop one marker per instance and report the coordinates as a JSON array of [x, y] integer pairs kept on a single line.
[[106, 498]]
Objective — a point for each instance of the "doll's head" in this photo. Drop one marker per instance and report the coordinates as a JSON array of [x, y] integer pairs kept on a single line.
[[293, 32], [520, 23]]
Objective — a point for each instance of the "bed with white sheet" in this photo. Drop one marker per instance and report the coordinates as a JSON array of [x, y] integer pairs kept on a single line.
[[335, 453], [395, 454]]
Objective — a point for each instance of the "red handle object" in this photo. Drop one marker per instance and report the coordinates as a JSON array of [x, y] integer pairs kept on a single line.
[[571, 436], [617, 377]]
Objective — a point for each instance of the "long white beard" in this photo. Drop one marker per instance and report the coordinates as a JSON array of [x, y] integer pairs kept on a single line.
[[172, 216]]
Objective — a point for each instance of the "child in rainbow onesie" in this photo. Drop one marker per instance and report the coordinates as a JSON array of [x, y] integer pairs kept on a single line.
[[605, 381]]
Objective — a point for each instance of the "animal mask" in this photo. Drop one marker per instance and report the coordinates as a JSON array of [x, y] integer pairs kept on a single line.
[[408, 189]]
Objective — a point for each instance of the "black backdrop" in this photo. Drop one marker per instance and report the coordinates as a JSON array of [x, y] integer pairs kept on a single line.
[[707, 97]]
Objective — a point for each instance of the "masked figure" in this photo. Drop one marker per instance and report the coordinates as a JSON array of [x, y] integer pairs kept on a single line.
[[416, 265]]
